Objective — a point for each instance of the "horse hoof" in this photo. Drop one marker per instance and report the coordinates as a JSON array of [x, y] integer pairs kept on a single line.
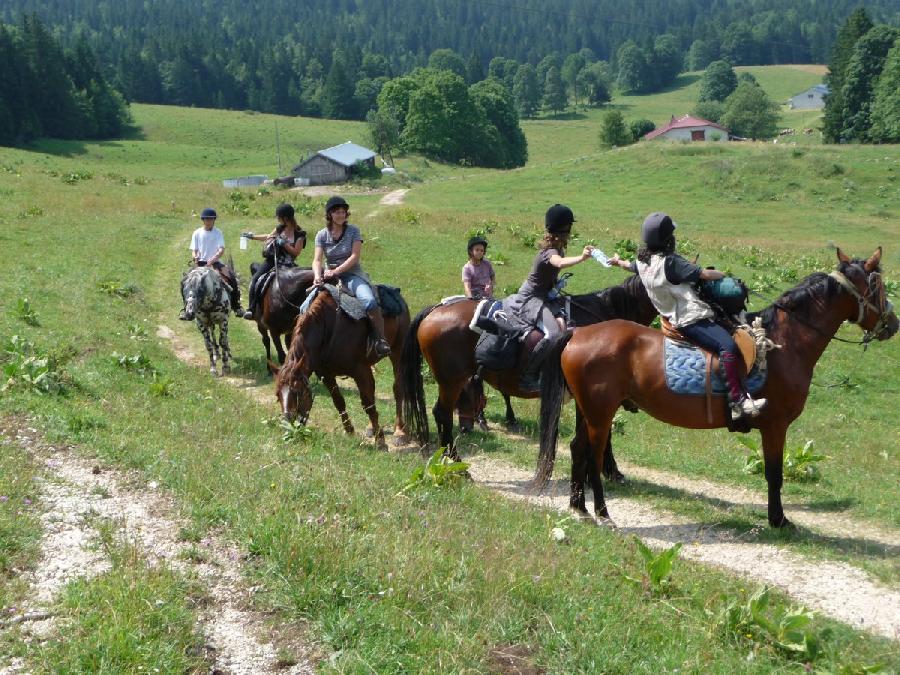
[[784, 524], [580, 513], [513, 427], [616, 477], [465, 430], [400, 440], [607, 522]]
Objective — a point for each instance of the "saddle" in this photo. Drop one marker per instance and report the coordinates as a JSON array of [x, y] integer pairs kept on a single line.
[[258, 289], [508, 351], [692, 370], [389, 299]]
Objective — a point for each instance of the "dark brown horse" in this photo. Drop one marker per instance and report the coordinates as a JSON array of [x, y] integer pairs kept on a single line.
[[279, 307], [441, 333], [615, 361], [328, 343]]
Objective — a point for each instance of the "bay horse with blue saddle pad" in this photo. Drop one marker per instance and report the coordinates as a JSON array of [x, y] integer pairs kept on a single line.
[[207, 300], [441, 335], [615, 361], [331, 339]]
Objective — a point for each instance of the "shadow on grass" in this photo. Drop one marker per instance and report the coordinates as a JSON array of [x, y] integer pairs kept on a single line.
[[74, 148]]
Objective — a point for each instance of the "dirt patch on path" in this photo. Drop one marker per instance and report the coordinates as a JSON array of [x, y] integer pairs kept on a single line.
[[75, 492], [394, 198], [834, 589]]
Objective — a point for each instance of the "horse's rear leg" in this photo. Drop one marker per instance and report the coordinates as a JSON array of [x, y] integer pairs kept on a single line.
[[598, 422], [448, 395], [400, 436], [579, 448], [338, 398], [365, 381]]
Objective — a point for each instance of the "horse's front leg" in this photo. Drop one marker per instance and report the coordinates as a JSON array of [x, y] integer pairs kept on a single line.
[[773, 455], [266, 340], [206, 332], [512, 423], [448, 395], [276, 338], [338, 398], [365, 382], [224, 345]]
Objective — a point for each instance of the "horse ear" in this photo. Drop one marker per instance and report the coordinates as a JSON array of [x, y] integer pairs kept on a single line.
[[274, 368], [842, 257], [873, 262]]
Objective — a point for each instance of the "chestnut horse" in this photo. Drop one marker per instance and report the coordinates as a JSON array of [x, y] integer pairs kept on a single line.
[[441, 333], [328, 343], [615, 361], [280, 305]]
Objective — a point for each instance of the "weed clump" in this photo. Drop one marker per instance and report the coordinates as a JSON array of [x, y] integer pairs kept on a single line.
[[27, 368]]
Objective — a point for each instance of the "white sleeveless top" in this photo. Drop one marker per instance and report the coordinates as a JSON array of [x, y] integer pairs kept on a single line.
[[679, 303]]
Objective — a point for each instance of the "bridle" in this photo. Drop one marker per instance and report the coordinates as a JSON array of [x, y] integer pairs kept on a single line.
[[873, 290]]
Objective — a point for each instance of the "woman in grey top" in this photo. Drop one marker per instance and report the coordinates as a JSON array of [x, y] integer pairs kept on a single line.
[[338, 248]]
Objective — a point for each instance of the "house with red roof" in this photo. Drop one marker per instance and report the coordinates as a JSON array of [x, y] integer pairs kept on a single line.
[[687, 128]]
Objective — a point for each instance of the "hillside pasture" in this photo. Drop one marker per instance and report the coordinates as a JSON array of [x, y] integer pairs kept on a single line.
[[450, 577]]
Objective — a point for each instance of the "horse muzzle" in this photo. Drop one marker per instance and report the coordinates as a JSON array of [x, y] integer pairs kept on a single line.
[[887, 325]]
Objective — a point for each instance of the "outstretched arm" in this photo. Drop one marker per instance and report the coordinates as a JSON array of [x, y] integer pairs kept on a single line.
[[558, 261]]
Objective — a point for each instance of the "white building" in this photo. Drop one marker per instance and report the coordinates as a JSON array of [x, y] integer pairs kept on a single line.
[[687, 128], [811, 99]]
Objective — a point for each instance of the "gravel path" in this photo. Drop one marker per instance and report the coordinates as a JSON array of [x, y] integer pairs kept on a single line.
[[834, 589], [838, 590], [394, 198], [74, 493]]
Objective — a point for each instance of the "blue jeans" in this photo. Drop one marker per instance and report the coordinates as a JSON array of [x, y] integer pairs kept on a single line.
[[709, 335], [361, 289]]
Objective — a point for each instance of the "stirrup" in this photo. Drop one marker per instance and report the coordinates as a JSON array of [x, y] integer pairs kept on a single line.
[[747, 407]]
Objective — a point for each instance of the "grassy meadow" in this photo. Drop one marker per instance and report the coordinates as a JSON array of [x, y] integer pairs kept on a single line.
[[438, 580]]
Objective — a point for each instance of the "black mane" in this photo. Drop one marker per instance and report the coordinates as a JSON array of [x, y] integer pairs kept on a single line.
[[627, 300], [800, 300]]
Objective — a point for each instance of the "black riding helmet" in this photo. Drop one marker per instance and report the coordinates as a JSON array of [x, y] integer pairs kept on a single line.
[[657, 229], [335, 202], [473, 241], [284, 211], [559, 219], [208, 213]]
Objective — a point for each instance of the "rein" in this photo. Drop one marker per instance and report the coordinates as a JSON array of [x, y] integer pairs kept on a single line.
[[862, 301], [278, 285]]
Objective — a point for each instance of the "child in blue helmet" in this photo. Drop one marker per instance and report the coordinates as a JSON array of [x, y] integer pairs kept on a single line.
[[669, 280], [207, 248]]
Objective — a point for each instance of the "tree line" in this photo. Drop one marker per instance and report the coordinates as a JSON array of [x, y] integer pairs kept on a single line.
[[331, 59], [863, 103], [48, 91]]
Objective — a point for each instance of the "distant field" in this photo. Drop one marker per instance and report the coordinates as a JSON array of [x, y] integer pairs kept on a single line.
[[550, 139]]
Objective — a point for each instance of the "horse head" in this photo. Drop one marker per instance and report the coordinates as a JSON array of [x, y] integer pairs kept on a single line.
[[311, 333], [194, 289], [873, 312]]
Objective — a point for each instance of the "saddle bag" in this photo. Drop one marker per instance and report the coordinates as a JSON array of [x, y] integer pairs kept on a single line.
[[497, 352], [727, 295]]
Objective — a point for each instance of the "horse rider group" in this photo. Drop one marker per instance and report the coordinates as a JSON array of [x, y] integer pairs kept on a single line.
[[668, 277]]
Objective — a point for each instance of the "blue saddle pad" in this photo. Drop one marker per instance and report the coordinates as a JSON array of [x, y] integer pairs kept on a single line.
[[686, 371]]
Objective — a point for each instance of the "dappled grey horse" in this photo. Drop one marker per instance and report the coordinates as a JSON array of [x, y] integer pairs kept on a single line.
[[206, 300]]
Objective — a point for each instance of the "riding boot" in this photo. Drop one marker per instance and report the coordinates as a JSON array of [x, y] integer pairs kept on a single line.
[[741, 402], [530, 380], [376, 325]]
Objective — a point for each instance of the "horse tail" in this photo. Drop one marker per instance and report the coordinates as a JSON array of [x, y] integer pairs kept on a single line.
[[553, 387], [412, 387]]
